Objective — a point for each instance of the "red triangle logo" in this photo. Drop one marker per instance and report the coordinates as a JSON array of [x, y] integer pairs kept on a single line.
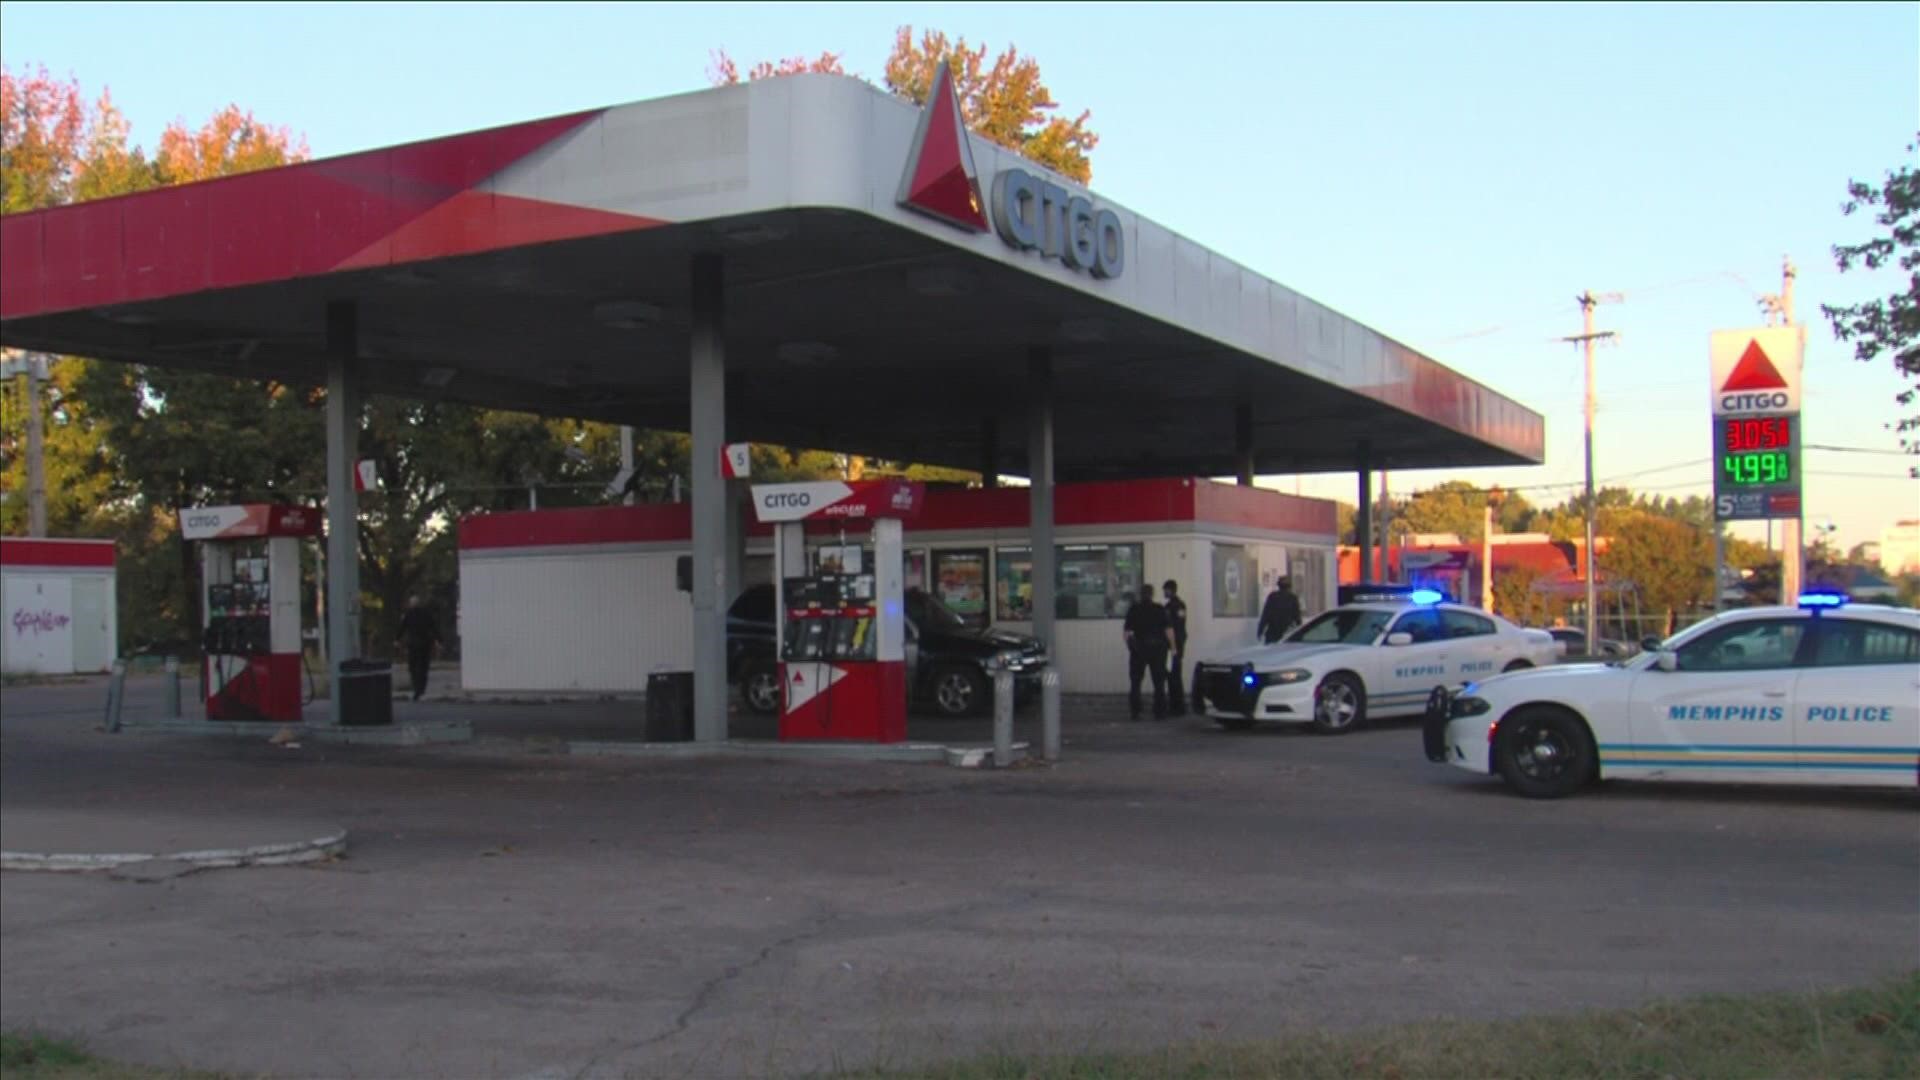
[[940, 180], [1754, 372]]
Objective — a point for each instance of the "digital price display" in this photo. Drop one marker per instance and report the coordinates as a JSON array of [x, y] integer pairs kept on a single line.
[[1757, 466], [1758, 433], [1765, 467]]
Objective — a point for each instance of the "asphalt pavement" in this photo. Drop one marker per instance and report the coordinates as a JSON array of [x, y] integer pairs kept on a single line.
[[507, 910]]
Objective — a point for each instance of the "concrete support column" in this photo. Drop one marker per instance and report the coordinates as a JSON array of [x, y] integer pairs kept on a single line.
[[1363, 510], [343, 503], [989, 453], [1243, 443], [712, 539], [1040, 513]]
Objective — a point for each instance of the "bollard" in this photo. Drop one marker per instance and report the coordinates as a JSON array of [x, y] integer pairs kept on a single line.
[[173, 688], [1050, 715], [1002, 719], [116, 690]]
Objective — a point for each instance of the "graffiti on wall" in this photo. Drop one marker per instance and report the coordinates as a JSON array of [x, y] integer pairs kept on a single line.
[[40, 622]]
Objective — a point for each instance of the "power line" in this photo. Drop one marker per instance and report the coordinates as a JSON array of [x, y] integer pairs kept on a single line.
[[1857, 450]]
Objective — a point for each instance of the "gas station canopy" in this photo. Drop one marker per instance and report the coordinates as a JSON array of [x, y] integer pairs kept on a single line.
[[887, 282]]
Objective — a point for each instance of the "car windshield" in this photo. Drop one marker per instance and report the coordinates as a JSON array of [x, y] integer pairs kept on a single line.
[[929, 613], [1345, 626]]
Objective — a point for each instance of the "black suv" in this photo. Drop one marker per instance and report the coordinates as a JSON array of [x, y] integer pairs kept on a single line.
[[950, 665]]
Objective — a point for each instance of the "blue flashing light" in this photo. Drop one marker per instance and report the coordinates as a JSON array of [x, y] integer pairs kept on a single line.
[[1824, 599], [1426, 596], [1249, 679]]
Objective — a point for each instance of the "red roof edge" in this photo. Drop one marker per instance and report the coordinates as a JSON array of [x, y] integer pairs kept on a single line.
[[88, 554]]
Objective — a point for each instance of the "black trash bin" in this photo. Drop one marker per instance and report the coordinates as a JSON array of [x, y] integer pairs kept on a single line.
[[366, 692], [670, 706]]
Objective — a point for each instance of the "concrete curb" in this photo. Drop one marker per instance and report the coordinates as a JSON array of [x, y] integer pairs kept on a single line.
[[411, 733], [281, 854], [914, 753]]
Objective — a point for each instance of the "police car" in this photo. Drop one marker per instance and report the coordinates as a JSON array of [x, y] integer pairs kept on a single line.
[[1383, 658], [1822, 693]]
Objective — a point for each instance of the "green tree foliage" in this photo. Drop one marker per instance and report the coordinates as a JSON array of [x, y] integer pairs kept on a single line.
[[1668, 563], [1887, 326]]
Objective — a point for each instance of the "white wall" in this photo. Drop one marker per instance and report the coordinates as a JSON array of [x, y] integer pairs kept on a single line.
[[38, 632], [599, 620], [571, 621]]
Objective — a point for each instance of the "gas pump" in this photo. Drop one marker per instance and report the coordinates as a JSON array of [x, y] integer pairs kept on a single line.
[[250, 607], [841, 619]]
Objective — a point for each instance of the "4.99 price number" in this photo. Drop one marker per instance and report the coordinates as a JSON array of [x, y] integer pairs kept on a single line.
[[1757, 469]]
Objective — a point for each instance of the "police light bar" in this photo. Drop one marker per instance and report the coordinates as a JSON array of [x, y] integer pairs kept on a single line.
[[1823, 599], [1426, 596]]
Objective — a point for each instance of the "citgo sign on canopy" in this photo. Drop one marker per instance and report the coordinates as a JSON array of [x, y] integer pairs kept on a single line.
[[1030, 212]]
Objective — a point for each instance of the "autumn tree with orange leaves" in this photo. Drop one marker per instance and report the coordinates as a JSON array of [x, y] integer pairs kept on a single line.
[[1003, 99]]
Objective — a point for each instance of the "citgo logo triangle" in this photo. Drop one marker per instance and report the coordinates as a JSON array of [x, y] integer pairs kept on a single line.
[[1754, 372], [940, 180]]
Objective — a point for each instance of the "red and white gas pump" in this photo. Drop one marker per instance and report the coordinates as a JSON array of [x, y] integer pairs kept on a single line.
[[841, 622], [250, 607]]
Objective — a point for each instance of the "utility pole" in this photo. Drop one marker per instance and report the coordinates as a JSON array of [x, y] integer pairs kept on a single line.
[[1793, 553], [626, 460], [1386, 528], [34, 367], [1587, 337]]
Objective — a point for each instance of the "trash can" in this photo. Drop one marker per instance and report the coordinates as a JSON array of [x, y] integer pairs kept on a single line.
[[670, 706], [366, 692]]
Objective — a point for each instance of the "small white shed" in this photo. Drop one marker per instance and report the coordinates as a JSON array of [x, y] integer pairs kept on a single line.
[[57, 600]]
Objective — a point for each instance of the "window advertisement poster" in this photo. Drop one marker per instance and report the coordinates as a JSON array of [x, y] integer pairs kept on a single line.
[[1013, 584], [1236, 582], [961, 583], [916, 576]]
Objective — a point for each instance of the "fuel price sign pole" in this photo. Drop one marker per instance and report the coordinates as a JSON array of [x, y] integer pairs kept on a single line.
[[1756, 435]]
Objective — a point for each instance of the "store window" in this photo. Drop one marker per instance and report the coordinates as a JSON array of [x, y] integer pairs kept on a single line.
[[916, 569], [960, 581], [1013, 584], [1091, 581], [1236, 582]]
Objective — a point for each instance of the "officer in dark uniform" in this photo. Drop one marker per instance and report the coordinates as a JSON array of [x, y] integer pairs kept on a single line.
[[1176, 609], [1149, 639]]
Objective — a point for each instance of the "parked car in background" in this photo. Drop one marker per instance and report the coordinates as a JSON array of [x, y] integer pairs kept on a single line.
[[1573, 643], [950, 665]]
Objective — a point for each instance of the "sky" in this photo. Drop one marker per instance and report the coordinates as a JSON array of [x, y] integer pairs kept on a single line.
[[1451, 175]]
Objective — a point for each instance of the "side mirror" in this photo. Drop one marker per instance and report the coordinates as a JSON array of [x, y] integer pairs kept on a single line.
[[1649, 644], [1400, 638], [1666, 660]]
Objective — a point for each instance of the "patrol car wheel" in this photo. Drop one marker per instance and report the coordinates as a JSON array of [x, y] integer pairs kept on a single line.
[[1339, 705], [1545, 753], [760, 689], [1517, 665]]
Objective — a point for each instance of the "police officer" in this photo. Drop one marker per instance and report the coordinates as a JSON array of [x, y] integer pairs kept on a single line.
[[1149, 639], [1176, 609], [1280, 614]]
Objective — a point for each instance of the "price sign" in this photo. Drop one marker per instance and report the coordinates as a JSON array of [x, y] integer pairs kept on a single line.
[[1756, 467], [1756, 423]]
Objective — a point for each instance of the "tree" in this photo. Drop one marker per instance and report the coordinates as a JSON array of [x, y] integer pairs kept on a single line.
[[1668, 563], [1888, 326], [1517, 596], [1005, 101], [724, 72]]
